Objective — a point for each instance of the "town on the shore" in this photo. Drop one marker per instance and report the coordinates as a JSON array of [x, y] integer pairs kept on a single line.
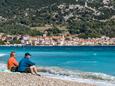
[[65, 40]]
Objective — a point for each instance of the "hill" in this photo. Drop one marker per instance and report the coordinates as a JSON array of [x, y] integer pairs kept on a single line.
[[89, 18]]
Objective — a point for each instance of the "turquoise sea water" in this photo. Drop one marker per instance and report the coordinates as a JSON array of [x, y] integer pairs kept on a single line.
[[90, 60]]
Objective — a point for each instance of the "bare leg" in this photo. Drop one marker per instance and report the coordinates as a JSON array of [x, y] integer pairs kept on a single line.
[[34, 70], [31, 69]]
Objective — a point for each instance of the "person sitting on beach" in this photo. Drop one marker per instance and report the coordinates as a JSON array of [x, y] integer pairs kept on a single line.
[[12, 64], [26, 66]]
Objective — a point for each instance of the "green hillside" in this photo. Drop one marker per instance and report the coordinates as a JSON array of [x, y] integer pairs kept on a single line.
[[92, 19]]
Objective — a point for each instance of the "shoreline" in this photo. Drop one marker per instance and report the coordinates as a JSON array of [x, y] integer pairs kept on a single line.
[[57, 46], [14, 79]]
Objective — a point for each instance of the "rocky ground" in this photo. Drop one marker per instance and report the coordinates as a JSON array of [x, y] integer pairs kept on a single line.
[[17, 79]]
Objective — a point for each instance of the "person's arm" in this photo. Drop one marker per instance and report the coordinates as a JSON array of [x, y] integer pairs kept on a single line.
[[30, 63], [15, 62]]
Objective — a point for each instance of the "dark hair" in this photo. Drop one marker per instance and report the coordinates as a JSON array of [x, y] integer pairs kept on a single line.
[[12, 54], [27, 54]]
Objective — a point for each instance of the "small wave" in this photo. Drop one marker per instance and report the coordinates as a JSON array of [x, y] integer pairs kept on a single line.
[[2, 54], [99, 79], [91, 75], [3, 67]]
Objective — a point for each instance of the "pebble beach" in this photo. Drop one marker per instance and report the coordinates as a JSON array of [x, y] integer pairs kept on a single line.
[[17, 79]]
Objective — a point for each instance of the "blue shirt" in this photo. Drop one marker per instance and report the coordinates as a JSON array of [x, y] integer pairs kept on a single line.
[[24, 63]]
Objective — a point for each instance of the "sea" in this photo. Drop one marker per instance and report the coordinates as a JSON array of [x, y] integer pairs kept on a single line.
[[84, 64]]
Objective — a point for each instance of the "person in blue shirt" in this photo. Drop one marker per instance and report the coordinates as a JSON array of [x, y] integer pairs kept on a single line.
[[26, 66]]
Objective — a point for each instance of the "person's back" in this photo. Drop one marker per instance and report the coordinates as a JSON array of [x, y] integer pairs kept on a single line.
[[24, 63], [12, 64]]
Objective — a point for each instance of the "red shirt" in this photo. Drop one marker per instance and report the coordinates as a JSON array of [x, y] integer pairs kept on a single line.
[[12, 63]]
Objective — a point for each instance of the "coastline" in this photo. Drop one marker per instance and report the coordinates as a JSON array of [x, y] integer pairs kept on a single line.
[[15, 79], [55, 45]]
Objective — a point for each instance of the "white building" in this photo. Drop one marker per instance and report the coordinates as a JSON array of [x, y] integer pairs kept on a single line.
[[106, 2]]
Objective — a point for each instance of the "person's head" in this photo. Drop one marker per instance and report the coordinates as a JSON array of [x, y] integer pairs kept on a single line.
[[27, 55], [12, 54]]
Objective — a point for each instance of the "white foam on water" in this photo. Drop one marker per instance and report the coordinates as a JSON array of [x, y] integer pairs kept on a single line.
[[99, 79], [2, 54], [3, 68], [80, 80]]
